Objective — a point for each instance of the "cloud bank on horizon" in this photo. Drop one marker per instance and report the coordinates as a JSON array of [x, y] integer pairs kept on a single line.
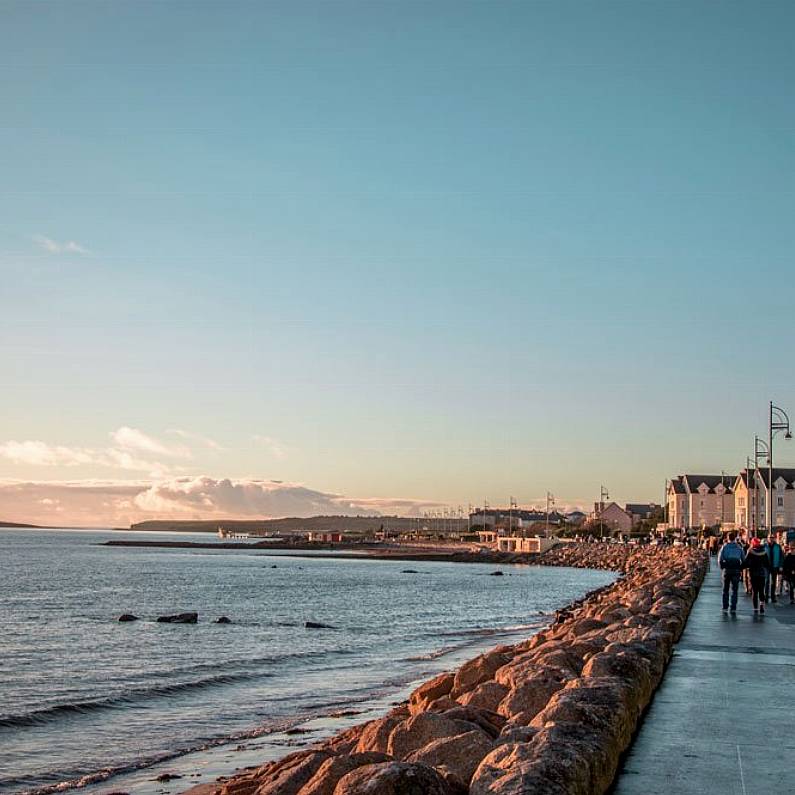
[[97, 503]]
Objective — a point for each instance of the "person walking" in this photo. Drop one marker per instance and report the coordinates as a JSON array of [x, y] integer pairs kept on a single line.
[[730, 560], [776, 557], [788, 571], [758, 565]]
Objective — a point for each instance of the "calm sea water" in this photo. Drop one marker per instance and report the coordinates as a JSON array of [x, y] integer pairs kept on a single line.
[[84, 698]]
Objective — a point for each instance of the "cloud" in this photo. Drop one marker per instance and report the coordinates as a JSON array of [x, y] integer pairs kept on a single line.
[[42, 454], [109, 503], [54, 247], [195, 437], [273, 446], [133, 451], [132, 439]]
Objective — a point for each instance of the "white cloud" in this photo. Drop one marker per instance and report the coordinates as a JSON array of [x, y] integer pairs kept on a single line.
[[195, 437], [273, 446], [55, 247], [132, 439], [38, 453]]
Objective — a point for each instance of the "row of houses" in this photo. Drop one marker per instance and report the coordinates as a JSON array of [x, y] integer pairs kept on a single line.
[[739, 501]]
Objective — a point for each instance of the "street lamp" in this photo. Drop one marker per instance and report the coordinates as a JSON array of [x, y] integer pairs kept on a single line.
[[778, 421], [761, 453]]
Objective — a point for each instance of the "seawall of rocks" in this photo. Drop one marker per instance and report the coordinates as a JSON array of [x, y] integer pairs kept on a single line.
[[551, 715]]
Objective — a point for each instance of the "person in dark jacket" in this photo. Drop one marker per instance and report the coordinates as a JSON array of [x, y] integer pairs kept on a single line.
[[730, 561], [776, 557], [788, 571], [758, 565]]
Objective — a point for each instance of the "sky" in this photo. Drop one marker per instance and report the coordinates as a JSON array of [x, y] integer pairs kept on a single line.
[[268, 258]]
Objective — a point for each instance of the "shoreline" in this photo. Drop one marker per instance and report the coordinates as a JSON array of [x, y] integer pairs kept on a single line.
[[553, 713]]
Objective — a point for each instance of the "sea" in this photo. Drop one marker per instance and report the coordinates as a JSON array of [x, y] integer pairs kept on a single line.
[[94, 705]]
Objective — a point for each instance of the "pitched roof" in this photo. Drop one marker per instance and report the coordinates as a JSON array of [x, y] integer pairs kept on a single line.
[[778, 472], [744, 475], [642, 509], [692, 482], [677, 486]]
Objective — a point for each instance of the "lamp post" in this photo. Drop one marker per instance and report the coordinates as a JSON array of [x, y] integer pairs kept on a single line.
[[603, 495], [761, 453], [550, 501], [778, 421]]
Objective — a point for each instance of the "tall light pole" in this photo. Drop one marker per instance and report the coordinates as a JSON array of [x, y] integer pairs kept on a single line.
[[761, 453], [550, 501], [603, 495], [778, 421]]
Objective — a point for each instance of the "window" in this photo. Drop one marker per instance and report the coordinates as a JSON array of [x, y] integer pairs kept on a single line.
[[741, 502], [780, 502]]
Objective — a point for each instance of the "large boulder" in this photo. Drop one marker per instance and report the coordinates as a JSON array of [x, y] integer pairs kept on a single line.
[[460, 755], [430, 691], [395, 778], [375, 735], [288, 775], [419, 730], [486, 695], [179, 618], [532, 695], [479, 670], [332, 770]]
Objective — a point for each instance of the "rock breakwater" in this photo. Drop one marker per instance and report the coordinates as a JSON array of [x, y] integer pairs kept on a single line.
[[550, 715]]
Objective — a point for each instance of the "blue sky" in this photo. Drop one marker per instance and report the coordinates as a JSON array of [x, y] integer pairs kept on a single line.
[[430, 251]]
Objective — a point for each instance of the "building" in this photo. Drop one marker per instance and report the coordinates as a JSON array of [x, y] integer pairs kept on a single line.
[[530, 546], [612, 517], [324, 537], [746, 492], [701, 501], [783, 496]]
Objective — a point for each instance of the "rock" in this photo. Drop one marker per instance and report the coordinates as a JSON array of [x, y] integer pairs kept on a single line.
[[477, 671], [532, 695], [128, 617], [486, 695], [223, 620], [332, 770], [375, 736], [288, 775], [419, 730], [460, 755], [430, 691], [409, 571], [179, 618], [317, 625], [490, 722], [394, 778], [497, 574], [167, 777]]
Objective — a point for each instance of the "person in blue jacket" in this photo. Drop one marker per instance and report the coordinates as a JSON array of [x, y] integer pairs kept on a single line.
[[730, 560], [775, 554]]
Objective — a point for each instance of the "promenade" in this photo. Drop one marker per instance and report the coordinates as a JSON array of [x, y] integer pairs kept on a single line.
[[721, 720]]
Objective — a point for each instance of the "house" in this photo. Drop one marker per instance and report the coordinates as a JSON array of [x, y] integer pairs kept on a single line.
[[701, 500], [746, 493], [640, 511], [783, 496], [612, 517], [576, 517]]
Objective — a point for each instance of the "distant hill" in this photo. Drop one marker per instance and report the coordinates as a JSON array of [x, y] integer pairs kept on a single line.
[[23, 526], [356, 525]]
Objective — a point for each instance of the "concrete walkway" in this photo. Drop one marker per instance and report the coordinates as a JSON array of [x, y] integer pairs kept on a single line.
[[722, 721]]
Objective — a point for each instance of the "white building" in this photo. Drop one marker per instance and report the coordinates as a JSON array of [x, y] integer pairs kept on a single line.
[[701, 501]]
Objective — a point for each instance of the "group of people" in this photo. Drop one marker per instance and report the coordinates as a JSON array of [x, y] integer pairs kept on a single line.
[[764, 568]]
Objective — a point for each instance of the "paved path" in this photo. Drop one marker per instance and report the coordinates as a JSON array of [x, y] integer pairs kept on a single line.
[[723, 719]]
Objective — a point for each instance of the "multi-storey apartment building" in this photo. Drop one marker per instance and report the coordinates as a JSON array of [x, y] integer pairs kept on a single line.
[[701, 500]]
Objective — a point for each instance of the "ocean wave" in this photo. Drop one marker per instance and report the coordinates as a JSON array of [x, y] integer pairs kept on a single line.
[[472, 636], [39, 716]]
